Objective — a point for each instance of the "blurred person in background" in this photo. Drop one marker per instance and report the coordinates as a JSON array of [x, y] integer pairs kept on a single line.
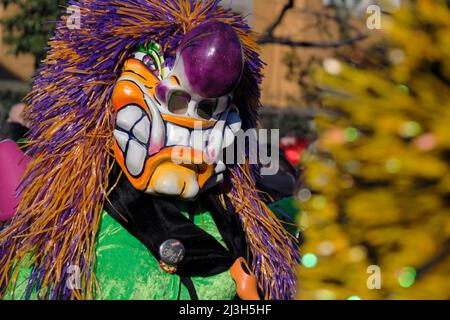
[[13, 161], [16, 125]]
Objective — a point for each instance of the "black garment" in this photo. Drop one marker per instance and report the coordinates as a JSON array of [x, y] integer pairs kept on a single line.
[[281, 185], [13, 131], [153, 220]]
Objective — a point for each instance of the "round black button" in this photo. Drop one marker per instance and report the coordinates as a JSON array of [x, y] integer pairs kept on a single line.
[[172, 252]]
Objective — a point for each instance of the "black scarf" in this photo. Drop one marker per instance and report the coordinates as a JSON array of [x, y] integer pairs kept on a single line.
[[153, 220]]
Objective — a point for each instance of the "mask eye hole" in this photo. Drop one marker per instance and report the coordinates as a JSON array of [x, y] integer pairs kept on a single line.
[[178, 102], [206, 108], [149, 62]]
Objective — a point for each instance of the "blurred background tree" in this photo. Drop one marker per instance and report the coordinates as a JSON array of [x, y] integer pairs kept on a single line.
[[26, 31], [301, 35], [339, 26], [29, 29], [378, 177]]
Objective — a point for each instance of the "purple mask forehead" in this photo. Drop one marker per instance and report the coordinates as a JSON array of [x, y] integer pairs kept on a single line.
[[213, 59]]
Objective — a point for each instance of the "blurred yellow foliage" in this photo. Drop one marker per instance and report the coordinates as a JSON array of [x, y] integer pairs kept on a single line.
[[379, 174]]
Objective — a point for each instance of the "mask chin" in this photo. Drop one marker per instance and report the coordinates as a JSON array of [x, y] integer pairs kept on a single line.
[[175, 180]]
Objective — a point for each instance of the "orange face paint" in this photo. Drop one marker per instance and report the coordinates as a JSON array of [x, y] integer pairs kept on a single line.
[[188, 122]]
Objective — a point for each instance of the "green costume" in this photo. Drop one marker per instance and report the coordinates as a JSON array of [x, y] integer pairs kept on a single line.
[[130, 272]]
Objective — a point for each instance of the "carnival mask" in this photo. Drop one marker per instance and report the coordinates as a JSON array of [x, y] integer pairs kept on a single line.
[[172, 125]]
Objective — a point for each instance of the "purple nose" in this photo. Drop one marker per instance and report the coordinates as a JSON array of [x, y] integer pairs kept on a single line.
[[213, 59]]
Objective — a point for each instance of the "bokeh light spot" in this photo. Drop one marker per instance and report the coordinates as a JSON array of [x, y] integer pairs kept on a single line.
[[309, 260], [393, 165], [426, 142], [319, 202], [353, 166], [407, 277], [325, 294], [410, 129], [332, 66], [304, 195], [357, 253], [397, 56], [326, 248], [351, 134], [403, 88]]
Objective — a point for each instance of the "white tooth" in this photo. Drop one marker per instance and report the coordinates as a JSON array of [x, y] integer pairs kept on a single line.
[[177, 136], [158, 132], [122, 139], [234, 122], [220, 167], [128, 116], [216, 138], [136, 154], [207, 138], [142, 130], [199, 138], [219, 178], [228, 137]]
